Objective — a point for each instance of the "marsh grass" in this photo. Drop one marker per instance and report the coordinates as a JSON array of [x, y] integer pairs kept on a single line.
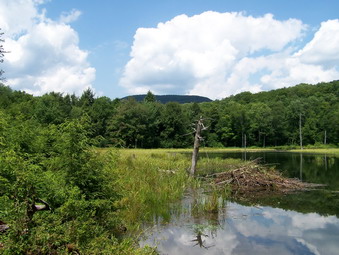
[[333, 151], [215, 165], [151, 184], [149, 181]]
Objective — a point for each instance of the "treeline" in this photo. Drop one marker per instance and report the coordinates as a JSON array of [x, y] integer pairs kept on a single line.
[[263, 119]]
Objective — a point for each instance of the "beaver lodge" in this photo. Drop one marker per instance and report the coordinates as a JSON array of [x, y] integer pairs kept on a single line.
[[254, 177]]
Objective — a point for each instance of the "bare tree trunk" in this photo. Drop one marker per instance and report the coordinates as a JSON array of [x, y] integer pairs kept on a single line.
[[301, 167], [300, 134], [245, 142], [197, 139], [325, 137]]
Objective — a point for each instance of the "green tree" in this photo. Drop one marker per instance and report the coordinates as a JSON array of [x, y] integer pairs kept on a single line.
[[100, 113], [128, 125], [87, 98], [240, 122], [174, 127], [76, 183], [260, 117], [150, 97], [52, 108]]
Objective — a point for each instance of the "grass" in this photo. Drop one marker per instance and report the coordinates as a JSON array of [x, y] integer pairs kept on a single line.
[[149, 181], [333, 151], [152, 183]]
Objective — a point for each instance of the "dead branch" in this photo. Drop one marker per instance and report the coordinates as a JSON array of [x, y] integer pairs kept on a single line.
[[44, 207], [3, 227]]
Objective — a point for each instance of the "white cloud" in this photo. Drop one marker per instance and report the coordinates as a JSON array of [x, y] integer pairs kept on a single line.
[[219, 54], [44, 54], [68, 17], [324, 48]]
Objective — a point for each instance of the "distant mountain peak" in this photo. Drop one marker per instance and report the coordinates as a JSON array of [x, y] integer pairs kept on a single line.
[[182, 99]]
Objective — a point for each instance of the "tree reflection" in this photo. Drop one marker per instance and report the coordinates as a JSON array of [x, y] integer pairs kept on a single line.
[[199, 240]]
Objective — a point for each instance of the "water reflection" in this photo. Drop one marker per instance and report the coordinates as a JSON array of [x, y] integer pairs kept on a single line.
[[249, 230], [301, 223], [199, 240]]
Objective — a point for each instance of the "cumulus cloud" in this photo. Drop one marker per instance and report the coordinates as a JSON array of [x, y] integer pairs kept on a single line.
[[219, 54], [324, 48], [44, 54]]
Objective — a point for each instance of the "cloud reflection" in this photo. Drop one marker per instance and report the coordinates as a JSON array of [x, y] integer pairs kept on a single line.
[[251, 230]]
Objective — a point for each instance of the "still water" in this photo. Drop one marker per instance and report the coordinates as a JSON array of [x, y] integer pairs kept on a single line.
[[302, 223]]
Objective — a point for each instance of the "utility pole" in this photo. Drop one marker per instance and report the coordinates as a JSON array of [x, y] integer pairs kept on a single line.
[[199, 127]]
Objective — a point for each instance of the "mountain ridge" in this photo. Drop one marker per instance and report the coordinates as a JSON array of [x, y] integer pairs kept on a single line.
[[182, 99]]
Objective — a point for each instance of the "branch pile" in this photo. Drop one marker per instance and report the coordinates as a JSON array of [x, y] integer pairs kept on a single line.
[[257, 178]]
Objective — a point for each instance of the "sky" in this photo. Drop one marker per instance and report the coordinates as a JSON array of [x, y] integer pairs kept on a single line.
[[213, 48]]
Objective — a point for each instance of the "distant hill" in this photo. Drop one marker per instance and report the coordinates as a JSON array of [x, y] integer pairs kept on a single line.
[[182, 99]]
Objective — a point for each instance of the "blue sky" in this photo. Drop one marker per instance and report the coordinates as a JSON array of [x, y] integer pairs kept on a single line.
[[211, 48]]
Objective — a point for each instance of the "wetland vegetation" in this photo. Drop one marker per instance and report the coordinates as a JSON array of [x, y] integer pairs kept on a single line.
[[70, 181]]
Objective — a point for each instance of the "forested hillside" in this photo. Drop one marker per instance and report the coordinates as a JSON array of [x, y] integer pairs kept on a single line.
[[265, 119]]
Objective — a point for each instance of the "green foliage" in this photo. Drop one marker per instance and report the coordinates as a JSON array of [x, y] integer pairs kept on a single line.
[[58, 167], [150, 97], [46, 155], [152, 180], [262, 119], [173, 127]]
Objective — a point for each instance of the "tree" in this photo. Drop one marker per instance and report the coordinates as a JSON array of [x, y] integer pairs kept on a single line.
[[87, 98], [173, 126], [128, 126], [100, 112], [150, 97], [52, 108], [199, 127], [260, 116]]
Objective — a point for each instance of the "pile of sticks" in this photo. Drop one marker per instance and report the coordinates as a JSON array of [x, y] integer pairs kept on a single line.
[[256, 177]]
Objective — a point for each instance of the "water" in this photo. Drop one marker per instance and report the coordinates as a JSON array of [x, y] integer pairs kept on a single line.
[[302, 223], [315, 168]]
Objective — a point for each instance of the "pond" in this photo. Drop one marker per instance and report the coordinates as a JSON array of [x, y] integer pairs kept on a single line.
[[300, 223]]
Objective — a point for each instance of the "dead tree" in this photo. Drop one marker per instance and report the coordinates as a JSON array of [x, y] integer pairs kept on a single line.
[[199, 127], [300, 133]]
